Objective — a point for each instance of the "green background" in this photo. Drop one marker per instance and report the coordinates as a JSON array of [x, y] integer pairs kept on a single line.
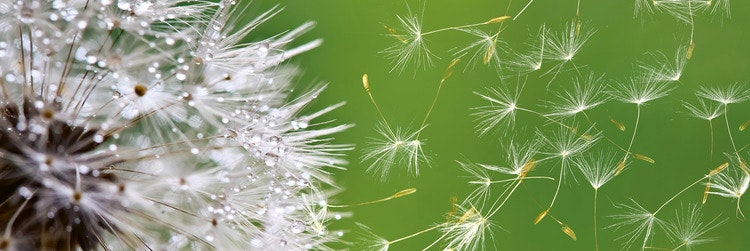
[[353, 35]]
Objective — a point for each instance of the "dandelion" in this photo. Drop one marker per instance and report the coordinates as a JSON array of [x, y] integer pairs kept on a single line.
[[732, 94], [683, 10], [370, 241], [641, 91], [565, 45], [395, 147], [466, 230], [729, 94], [564, 145], [598, 169], [533, 59], [500, 114], [721, 6], [585, 95], [486, 49], [520, 163], [663, 69], [149, 125], [639, 219], [688, 228], [410, 46], [708, 112], [730, 184]]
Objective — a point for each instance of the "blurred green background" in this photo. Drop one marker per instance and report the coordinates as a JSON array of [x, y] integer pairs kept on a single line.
[[354, 33]]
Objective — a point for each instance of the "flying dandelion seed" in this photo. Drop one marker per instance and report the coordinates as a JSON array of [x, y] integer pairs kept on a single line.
[[394, 148], [688, 228], [410, 46], [584, 95], [149, 125]]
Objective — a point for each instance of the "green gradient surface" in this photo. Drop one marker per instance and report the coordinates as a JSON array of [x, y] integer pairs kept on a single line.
[[354, 33]]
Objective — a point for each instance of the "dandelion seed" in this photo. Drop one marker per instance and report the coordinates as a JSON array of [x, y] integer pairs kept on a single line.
[[688, 228], [565, 143], [643, 157], [371, 241], [641, 91], [705, 192], [621, 165], [449, 70], [531, 60], [639, 219], [467, 231], [730, 94], [564, 46], [396, 195], [599, 168], [683, 10], [526, 168], [395, 148], [619, 125], [661, 68], [496, 20], [703, 110], [541, 216], [519, 163], [744, 126], [485, 50], [732, 184], [718, 169], [501, 111], [720, 6], [411, 47], [707, 111], [585, 95], [569, 232]]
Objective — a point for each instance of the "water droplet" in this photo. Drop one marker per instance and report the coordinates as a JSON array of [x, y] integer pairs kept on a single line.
[[303, 124], [123, 5], [98, 138], [82, 24], [24, 191], [297, 227], [180, 75]]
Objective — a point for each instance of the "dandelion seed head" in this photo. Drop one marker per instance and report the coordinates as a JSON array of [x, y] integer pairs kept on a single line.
[[120, 125]]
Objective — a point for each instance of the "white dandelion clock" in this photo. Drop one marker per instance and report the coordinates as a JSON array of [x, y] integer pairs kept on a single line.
[[120, 131]]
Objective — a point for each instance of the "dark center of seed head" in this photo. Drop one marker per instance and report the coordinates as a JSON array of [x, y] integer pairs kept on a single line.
[[140, 90], [48, 113]]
